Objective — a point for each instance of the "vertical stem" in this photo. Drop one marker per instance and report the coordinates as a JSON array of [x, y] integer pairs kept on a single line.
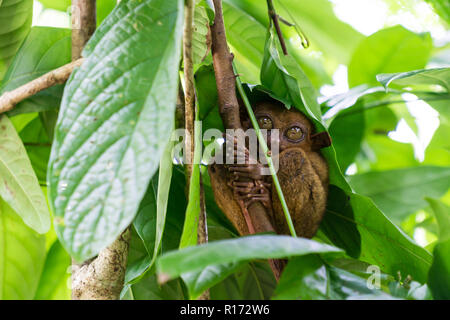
[[189, 94], [190, 116], [84, 22]]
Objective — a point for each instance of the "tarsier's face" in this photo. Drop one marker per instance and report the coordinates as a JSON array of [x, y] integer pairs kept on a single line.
[[294, 128]]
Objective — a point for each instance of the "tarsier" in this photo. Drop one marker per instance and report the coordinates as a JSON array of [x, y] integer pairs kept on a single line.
[[303, 176]]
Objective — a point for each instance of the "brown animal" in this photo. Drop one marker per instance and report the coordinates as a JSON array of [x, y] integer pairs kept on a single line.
[[303, 176]]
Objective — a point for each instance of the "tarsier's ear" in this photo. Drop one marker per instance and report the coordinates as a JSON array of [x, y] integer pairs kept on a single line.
[[320, 140]]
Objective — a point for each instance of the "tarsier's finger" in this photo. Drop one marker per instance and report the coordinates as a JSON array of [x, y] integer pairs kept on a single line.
[[250, 171]]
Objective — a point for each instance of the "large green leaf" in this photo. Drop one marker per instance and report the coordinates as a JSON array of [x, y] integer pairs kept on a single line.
[[310, 278], [439, 276], [287, 81], [436, 76], [401, 192], [394, 49], [355, 224], [442, 7], [115, 120], [37, 144], [175, 263], [15, 23], [19, 186], [193, 210], [43, 50], [151, 218], [246, 36], [22, 256]]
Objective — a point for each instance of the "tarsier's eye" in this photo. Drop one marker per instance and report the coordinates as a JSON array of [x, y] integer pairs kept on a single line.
[[265, 122], [294, 133]]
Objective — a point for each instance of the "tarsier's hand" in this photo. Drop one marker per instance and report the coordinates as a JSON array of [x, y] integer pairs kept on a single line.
[[246, 178]]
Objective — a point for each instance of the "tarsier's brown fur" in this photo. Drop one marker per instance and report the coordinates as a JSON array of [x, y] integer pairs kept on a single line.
[[303, 176]]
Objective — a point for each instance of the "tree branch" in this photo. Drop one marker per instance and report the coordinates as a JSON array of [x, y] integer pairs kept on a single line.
[[84, 22], [273, 15], [103, 277], [9, 99], [229, 111]]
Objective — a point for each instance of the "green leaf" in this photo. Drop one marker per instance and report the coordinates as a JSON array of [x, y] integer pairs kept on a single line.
[[199, 281], [246, 37], [394, 49], [286, 80], [44, 49], [310, 278], [61, 5], [401, 192], [15, 23], [346, 145], [55, 279], [22, 256], [151, 218], [115, 120], [149, 289], [352, 221], [19, 186], [355, 224], [436, 76], [442, 8], [37, 144], [439, 275], [189, 235], [201, 41], [175, 263]]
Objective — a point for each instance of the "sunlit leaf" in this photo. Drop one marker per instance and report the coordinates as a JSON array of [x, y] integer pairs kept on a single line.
[[15, 23], [401, 192], [22, 256], [389, 50], [55, 279], [43, 50], [19, 186], [436, 76]]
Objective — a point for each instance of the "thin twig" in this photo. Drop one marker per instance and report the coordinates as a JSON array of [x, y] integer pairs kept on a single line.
[[289, 24], [190, 116], [189, 89], [273, 15], [9, 99]]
